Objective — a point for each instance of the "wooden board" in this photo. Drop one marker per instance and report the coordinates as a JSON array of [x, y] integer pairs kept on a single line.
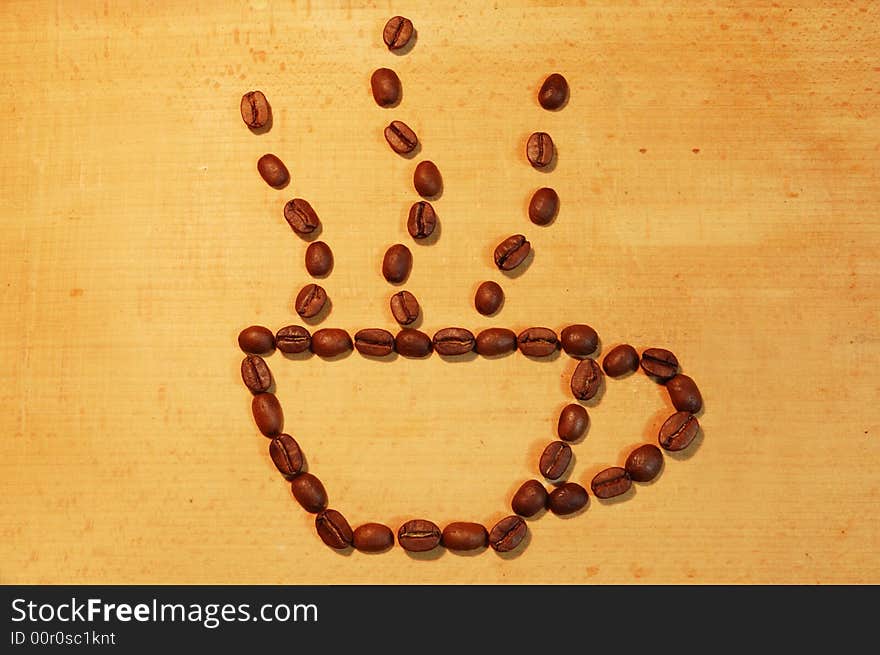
[[718, 170]]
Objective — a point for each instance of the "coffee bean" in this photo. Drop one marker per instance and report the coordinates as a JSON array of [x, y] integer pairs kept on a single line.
[[579, 340], [255, 374], [537, 342], [273, 171], [331, 342], [573, 422], [427, 179], [621, 360], [301, 217], [319, 259], [453, 341], [373, 538], [310, 300], [418, 535], [333, 529], [644, 463], [507, 534], [309, 492], [488, 298], [543, 206], [422, 220], [611, 482], [555, 460], [397, 33], [401, 138], [404, 307], [386, 87], [464, 536], [529, 499], [412, 343], [539, 149], [397, 263], [287, 455], [374, 342], [678, 431], [554, 92], [495, 341], [256, 340], [586, 379], [511, 252], [659, 363], [292, 339], [267, 414], [255, 110], [567, 499], [684, 394]]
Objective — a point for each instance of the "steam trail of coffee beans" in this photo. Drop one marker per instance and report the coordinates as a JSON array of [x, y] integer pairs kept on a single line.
[[579, 341]]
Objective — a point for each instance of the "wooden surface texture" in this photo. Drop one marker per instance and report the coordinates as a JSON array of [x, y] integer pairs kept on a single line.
[[718, 175]]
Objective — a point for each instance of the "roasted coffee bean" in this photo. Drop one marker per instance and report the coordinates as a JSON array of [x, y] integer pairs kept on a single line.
[[573, 422], [267, 414], [373, 538], [621, 360], [397, 33], [412, 343], [554, 92], [453, 341], [684, 394], [555, 460], [273, 171], [418, 535], [301, 217], [495, 341], [644, 463], [333, 529], [508, 533], [678, 431], [386, 87], [374, 342], [611, 482], [330, 342], [489, 298], [586, 379], [292, 339], [401, 138], [256, 340], [537, 342], [404, 307], [464, 536], [319, 259], [543, 206], [255, 374], [659, 363], [310, 300], [529, 499], [397, 263], [427, 179], [422, 220], [567, 499], [309, 492], [287, 455], [579, 340], [540, 150], [511, 252], [255, 110]]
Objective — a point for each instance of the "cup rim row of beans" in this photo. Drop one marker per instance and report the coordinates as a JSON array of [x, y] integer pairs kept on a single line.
[[643, 464]]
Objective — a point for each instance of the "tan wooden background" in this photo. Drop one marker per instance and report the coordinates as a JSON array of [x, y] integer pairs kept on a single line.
[[718, 171]]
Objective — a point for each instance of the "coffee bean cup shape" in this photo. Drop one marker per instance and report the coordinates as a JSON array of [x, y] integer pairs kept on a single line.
[[464, 536], [495, 341], [413, 343], [644, 463], [567, 499], [488, 298], [553, 92], [319, 259], [684, 394], [573, 422], [309, 492], [330, 342], [372, 538], [543, 206], [427, 180], [397, 263], [267, 414], [579, 340], [620, 360], [386, 87], [273, 171], [529, 499], [256, 340]]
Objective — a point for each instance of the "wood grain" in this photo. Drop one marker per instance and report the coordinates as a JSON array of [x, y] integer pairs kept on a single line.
[[718, 175]]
